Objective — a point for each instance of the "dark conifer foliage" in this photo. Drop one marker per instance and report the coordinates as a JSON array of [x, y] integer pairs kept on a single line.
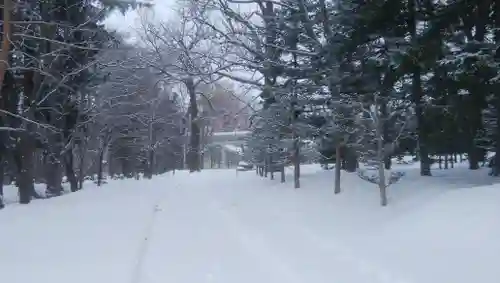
[[428, 71]]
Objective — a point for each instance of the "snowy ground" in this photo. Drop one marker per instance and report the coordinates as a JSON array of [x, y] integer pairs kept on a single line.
[[217, 226]]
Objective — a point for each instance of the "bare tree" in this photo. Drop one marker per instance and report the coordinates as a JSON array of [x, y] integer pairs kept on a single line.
[[374, 145], [136, 116], [182, 51]]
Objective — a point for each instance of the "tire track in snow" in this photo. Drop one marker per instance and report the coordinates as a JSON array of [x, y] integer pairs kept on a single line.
[[257, 245], [247, 246], [337, 251], [345, 255], [253, 242], [142, 252]]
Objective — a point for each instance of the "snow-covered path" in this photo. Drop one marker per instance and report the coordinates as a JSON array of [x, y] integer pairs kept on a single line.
[[217, 233], [215, 227], [196, 240]]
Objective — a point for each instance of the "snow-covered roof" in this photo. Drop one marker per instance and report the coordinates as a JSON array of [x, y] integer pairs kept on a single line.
[[234, 133], [221, 137]]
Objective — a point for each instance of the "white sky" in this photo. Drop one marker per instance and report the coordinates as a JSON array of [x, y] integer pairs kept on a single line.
[[130, 22]]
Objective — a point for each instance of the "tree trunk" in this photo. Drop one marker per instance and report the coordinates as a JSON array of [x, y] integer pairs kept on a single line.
[[193, 158], [282, 171], [350, 161], [81, 166], [388, 162], [212, 160], [337, 168], [55, 161], [69, 170], [385, 128], [25, 181], [4, 53], [417, 95], [127, 169], [202, 159], [495, 170], [53, 176], [150, 168], [26, 147], [99, 166], [2, 174], [381, 159], [296, 163], [474, 157], [381, 183], [219, 157]]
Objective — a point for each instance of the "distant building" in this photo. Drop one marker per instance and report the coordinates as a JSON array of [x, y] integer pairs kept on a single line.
[[225, 113], [228, 122]]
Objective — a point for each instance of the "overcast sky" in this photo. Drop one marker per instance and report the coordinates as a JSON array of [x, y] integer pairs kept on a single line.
[[129, 22]]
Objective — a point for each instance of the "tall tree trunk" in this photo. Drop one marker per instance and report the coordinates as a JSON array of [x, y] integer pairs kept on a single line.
[[193, 154], [70, 172], [266, 168], [417, 94], [479, 93], [127, 170], [148, 171], [379, 135], [55, 161], [271, 172], [27, 144], [81, 165], [2, 174], [338, 168], [282, 172], [381, 182], [4, 54], [99, 166], [25, 178], [296, 164], [474, 124], [53, 176], [350, 159], [150, 164], [474, 156], [387, 86], [495, 170]]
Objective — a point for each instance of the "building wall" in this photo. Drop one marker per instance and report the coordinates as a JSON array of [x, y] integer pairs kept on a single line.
[[228, 122]]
